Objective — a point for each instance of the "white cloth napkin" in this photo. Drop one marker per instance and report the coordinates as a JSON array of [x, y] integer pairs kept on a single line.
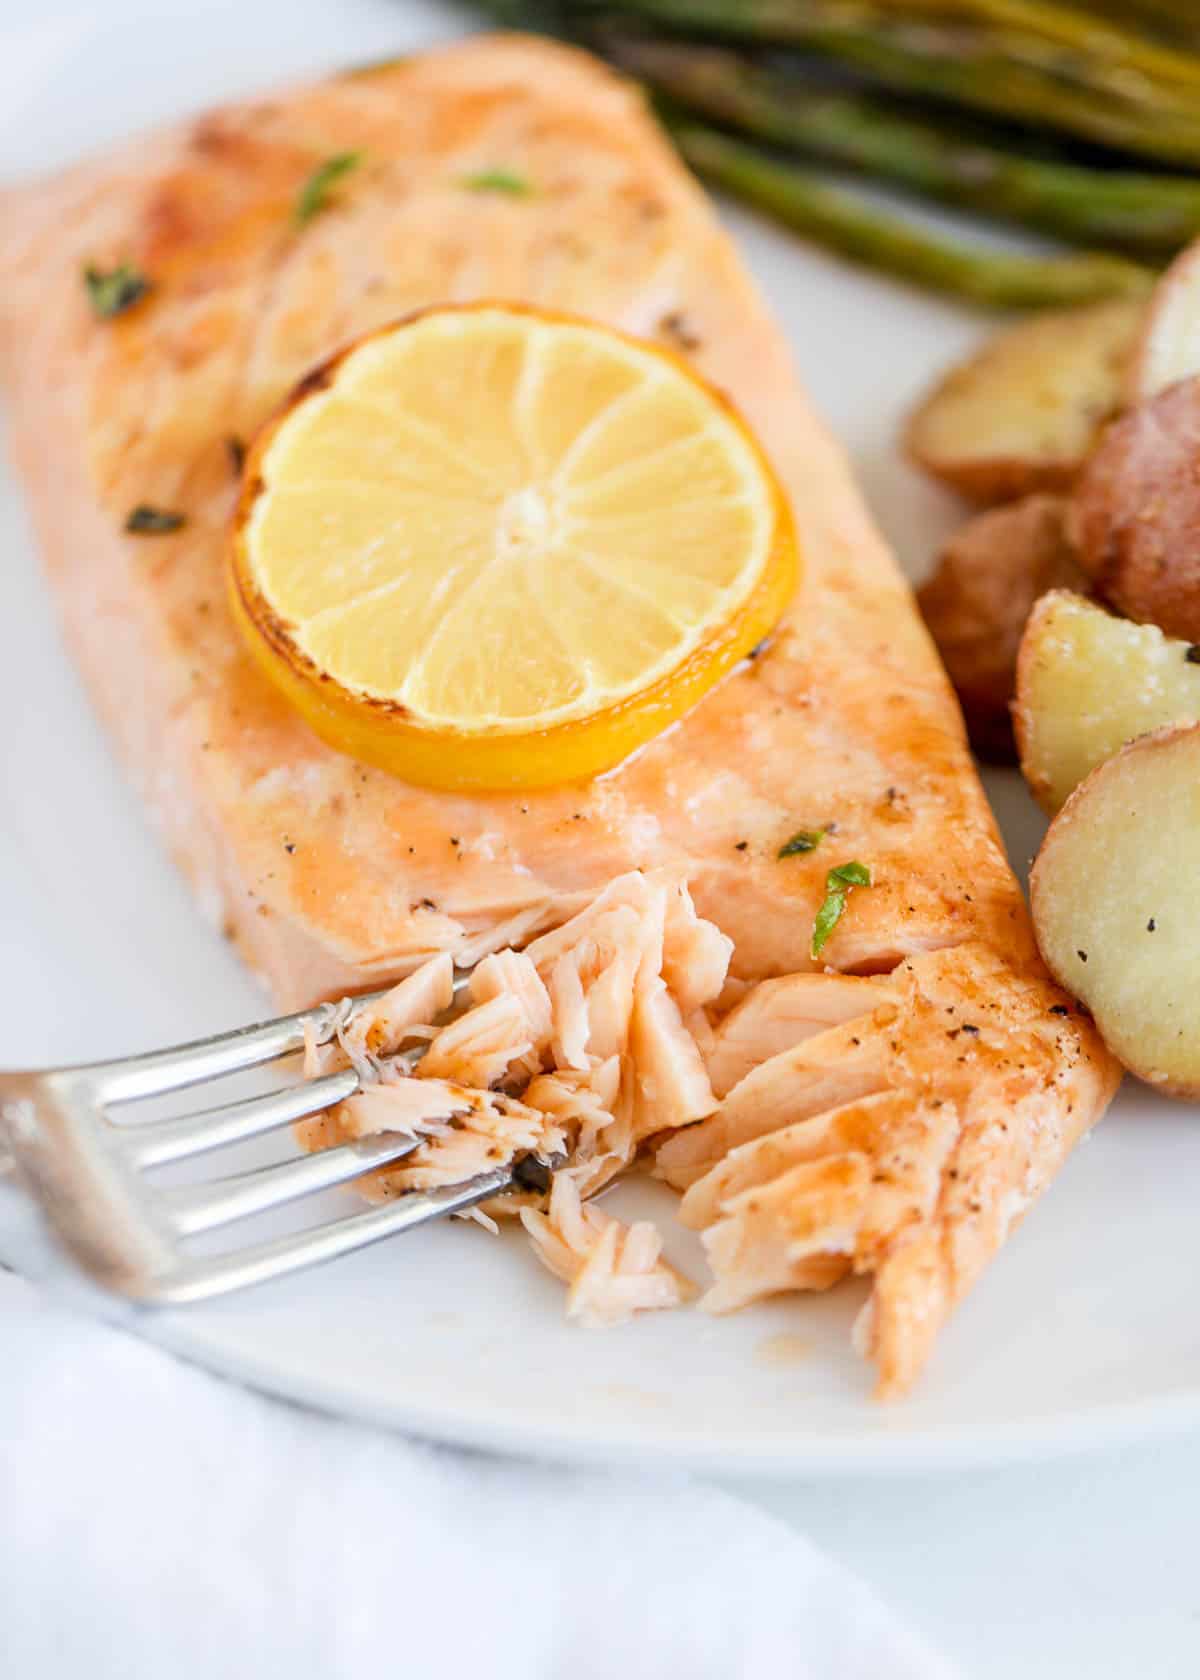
[[158, 1522]]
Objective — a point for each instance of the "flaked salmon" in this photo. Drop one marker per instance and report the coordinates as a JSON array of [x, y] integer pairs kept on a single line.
[[613, 1270], [584, 1025], [331, 876]]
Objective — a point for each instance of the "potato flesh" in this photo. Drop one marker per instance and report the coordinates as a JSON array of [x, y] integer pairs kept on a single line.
[[1116, 905], [1168, 347], [1023, 412], [1086, 684]]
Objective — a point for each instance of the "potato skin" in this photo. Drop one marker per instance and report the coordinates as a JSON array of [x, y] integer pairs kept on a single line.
[[1157, 983], [988, 577], [1021, 414], [1135, 514]]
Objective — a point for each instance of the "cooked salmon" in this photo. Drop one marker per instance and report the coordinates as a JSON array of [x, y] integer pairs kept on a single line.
[[901, 1139], [585, 1024], [613, 1270], [582, 1024]]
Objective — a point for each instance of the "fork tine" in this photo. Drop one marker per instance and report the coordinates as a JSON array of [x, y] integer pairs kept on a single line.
[[195, 1281], [158, 1142], [202, 1207], [85, 1168], [161, 1071]]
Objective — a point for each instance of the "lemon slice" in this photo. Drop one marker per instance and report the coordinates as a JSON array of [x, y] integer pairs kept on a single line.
[[491, 547]]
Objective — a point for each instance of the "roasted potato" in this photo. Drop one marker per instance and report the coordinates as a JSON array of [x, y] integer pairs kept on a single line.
[[1116, 904], [988, 577], [1086, 684], [1023, 412], [1135, 514], [1168, 341]]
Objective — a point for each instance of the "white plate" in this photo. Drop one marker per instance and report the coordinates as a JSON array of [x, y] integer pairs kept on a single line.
[[1085, 1330]]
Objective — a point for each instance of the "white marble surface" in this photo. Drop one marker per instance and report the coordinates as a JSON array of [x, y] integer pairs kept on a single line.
[[1088, 1566]]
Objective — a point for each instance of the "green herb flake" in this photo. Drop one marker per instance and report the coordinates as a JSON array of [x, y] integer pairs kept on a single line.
[[498, 181], [804, 840], [375, 66], [838, 884], [111, 294], [147, 521], [851, 875], [314, 195]]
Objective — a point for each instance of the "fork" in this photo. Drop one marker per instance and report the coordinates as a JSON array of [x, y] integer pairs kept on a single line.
[[91, 1173]]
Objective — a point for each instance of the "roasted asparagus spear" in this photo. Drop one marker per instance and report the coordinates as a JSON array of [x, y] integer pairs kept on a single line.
[[940, 158], [842, 220], [1008, 72]]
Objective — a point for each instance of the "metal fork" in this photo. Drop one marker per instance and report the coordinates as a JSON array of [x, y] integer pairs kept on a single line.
[[91, 1172]]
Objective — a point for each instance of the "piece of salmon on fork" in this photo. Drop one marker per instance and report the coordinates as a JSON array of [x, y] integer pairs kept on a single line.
[[900, 1140]]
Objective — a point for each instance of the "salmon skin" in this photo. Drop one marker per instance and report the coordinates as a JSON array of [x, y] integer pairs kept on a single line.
[[332, 876]]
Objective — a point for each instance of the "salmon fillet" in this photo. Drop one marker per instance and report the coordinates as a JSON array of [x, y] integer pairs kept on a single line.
[[936, 1115]]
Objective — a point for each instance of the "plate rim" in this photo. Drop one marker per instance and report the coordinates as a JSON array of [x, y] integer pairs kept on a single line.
[[805, 1456]]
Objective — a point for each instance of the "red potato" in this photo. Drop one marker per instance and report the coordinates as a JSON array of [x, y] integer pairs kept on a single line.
[[988, 577], [1022, 413], [1116, 905], [1168, 345], [1135, 516]]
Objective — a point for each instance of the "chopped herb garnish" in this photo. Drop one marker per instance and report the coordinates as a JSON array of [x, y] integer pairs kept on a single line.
[[113, 293], [376, 66], [804, 840], [314, 194], [851, 875], [147, 521], [235, 449], [838, 883], [498, 181]]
